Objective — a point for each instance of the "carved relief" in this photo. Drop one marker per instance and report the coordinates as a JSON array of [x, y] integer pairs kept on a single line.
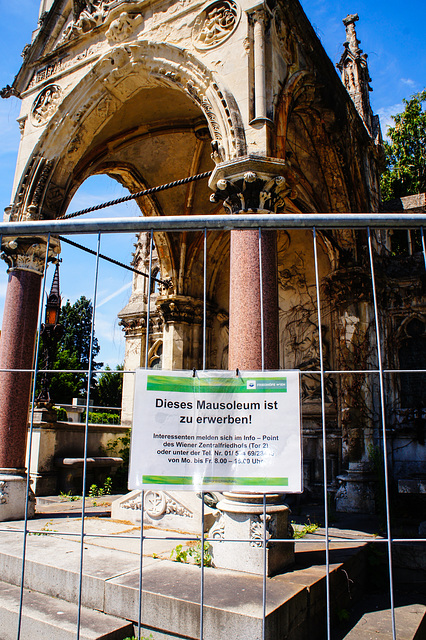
[[215, 24], [45, 104], [123, 26], [252, 192], [45, 72], [3, 492], [257, 533], [158, 504], [96, 13], [217, 532]]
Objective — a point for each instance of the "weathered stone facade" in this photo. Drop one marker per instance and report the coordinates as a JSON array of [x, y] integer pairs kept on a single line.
[[149, 92]]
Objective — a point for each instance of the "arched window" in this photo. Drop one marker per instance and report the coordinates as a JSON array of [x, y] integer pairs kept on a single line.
[[156, 359]]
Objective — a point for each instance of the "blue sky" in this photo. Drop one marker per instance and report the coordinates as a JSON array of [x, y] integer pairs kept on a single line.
[[391, 32]]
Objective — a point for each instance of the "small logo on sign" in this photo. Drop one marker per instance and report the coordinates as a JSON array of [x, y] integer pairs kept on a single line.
[[251, 384]]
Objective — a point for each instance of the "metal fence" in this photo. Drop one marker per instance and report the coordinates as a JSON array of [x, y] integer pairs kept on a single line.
[[316, 223]]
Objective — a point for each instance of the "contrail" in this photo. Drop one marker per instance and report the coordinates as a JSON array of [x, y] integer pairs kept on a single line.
[[113, 295]]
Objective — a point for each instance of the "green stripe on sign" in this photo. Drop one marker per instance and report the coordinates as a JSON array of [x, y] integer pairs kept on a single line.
[[189, 480], [216, 385]]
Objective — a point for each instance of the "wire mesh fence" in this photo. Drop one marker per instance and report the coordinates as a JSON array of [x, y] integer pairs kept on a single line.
[[352, 321]]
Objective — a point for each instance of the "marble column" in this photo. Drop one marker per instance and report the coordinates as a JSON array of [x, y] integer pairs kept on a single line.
[[26, 257], [253, 185]]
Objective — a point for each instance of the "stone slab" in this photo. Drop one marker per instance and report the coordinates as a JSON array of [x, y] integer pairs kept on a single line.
[[45, 618], [410, 624]]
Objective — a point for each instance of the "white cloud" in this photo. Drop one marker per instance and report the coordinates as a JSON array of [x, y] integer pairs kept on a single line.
[[408, 82], [113, 295]]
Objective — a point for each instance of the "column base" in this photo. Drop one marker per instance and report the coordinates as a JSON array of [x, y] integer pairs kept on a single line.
[[12, 496], [356, 493], [241, 518]]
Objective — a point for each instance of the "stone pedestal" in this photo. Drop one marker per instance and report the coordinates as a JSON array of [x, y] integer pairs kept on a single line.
[[242, 521], [13, 485], [356, 493]]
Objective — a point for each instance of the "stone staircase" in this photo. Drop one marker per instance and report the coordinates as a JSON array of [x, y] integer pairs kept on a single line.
[[295, 604]]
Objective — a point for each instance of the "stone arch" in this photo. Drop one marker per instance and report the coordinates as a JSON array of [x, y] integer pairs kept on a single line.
[[116, 78]]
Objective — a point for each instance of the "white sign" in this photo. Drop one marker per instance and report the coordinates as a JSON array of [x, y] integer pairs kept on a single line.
[[216, 431]]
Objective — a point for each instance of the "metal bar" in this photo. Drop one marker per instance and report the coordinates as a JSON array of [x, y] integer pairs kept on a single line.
[[262, 327], [142, 537], [202, 570], [220, 222], [165, 283], [204, 298], [324, 436], [423, 244], [30, 437], [86, 436], [385, 451], [264, 571]]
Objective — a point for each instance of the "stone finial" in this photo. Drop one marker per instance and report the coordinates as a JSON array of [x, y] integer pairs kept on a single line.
[[351, 38]]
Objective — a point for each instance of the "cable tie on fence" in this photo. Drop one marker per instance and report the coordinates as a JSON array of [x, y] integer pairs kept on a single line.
[[194, 371], [237, 372], [139, 194]]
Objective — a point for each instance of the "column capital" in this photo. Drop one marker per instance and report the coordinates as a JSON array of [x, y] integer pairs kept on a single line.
[[252, 184], [28, 253], [180, 309]]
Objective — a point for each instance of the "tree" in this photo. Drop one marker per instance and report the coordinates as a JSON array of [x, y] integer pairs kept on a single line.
[[73, 352], [109, 388], [405, 172]]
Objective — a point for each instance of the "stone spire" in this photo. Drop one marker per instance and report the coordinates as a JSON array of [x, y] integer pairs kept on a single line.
[[355, 75]]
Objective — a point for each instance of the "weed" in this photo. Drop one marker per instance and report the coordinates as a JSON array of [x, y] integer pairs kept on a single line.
[[150, 637], [307, 528], [68, 496], [98, 492], [44, 531], [182, 555]]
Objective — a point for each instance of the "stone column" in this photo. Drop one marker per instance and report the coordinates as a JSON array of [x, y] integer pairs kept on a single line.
[[26, 257], [253, 185]]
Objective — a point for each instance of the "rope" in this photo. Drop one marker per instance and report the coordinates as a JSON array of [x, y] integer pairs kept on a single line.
[[166, 283], [133, 196]]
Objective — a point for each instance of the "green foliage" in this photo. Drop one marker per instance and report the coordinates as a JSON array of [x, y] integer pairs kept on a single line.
[[179, 554], [107, 392], [405, 172], [120, 447], [150, 637], [68, 496], [72, 352], [101, 417], [306, 528], [62, 414], [98, 492]]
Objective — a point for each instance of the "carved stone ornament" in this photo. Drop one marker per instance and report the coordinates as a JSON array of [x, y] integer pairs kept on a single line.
[[158, 504], [45, 104], [215, 24], [180, 309], [250, 186], [94, 13], [3, 492], [123, 26], [28, 254], [256, 529]]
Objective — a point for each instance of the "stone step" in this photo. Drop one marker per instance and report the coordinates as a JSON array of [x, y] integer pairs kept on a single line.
[[45, 618], [376, 622]]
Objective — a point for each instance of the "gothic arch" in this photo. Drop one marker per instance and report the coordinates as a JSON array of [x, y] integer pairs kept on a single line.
[[84, 112]]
